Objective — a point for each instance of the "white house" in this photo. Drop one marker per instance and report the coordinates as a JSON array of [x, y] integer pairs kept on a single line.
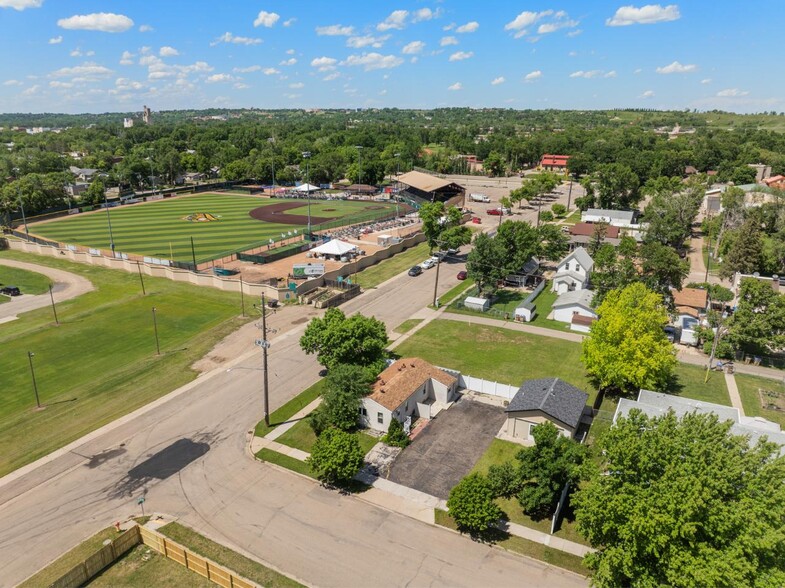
[[544, 400], [409, 387], [571, 303], [83, 173], [615, 218], [573, 272]]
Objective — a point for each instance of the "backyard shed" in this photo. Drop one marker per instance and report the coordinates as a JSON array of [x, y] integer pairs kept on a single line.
[[474, 303], [571, 303], [525, 311]]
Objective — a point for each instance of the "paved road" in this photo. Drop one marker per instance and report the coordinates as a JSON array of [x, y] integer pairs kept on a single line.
[[187, 456], [66, 286]]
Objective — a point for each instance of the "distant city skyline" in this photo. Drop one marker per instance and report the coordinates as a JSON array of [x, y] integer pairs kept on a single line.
[[89, 56]]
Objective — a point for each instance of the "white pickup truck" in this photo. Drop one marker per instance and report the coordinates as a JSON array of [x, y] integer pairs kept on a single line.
[[479, 198]]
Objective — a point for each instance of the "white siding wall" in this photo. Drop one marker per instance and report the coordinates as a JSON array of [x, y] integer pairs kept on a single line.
[[564, 314]]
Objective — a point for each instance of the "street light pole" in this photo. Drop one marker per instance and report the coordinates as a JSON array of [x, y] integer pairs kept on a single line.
[[307, 156], [30, 356], [155, 330], [54, 310], [271, 141], [359, 164], [265, 345], [397, 183], [569, 197]]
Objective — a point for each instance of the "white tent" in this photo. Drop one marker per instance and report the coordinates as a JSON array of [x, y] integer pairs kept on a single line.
[[307, 188], [334, 247]]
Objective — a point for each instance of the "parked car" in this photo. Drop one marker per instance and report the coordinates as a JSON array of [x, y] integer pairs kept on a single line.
[[438, 255], [10, 291], [462, 275], [415, 271], [476, 220], [428, 263], [452, 251], [499, 211]]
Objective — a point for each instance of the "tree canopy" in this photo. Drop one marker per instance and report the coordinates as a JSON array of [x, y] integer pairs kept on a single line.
[[627, 348], [684, 502], [336, 340], [336, 456]]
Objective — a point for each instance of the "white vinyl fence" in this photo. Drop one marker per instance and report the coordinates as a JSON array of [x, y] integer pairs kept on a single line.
[[483, 386]]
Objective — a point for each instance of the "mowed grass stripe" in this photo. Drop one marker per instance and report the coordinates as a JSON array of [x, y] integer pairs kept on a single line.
[[158, 229]]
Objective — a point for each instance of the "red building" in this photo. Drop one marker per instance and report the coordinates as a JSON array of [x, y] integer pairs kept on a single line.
[[557, 163]]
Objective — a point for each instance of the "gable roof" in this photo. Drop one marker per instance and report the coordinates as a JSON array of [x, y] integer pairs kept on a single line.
[[627, 216], [579, 319], [424, 182], [582, 256], [579, 297], [399, 381], [694, 297], [556, 398], [587, 229], [549, 159]]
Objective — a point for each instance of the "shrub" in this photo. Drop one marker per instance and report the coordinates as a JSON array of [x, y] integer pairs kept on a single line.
[[546, 216], [336, 456], [318, 420], [504, 480], [471, 505], [396, 437], [559, 210]]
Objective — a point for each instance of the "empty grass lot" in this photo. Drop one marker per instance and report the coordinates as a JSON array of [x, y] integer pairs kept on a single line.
[[28, 282], [143, 566], [749, 387], [150, 228], [407, 325], [384, 270], [101, 362], [239, 564], [301, 436]]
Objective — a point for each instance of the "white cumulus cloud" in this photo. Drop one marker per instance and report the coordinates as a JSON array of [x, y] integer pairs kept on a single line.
[[266, 19], [677, 67], [610, 74], [290, 61], [249, 69], [647, 94], [146, 28], [56, 40], [649, 14], [550, 21], [31, 90], [706, 81], [107, 22], [732, 93], [534, 75], [127, 58], [469, 27], [455, 87], [297, 85], [219, 78], [167, 51], [594, 73], [87, 70], [335, 31], [366, 41], [289, 22], [372, 61], [12, 83], [270, 71], [396, 20], [324, 63], [21, 4], [461, 55], [413, 48], [424, 14], [330, 77], [230, 38], [448, 41], [497, 81]]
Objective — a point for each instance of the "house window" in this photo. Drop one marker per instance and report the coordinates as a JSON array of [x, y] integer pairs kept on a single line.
[[363, 411], [380, 418], [406, 408]]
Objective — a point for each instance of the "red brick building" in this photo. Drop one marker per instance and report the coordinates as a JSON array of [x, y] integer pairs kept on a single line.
[[556, 163]]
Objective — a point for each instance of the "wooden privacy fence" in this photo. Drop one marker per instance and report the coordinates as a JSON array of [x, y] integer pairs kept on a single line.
[[113, 551]]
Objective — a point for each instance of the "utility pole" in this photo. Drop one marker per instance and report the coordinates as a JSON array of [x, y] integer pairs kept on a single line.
[[54, 310], [714, 343], [242, 295], [141, 278], [109, 223], [569, 197], [436, 283], [265, 345], [307, 156], [359, 164], [193, 253], [155, 329], [271, 141], [708, 254]]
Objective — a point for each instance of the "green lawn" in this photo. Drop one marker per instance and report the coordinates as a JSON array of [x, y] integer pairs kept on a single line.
[[290, 463], [28, 282], [455, 291], [100, 363], [689, 383], [407, 325], [295, 405], [384, 270], [749, 387], [498, 354], [143, 566], [239, 564], [151, 228], [501, 451], [528, 548], [301, 436], [544, 303]]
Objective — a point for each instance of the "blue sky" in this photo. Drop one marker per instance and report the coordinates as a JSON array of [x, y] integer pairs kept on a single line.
[[91, 56]]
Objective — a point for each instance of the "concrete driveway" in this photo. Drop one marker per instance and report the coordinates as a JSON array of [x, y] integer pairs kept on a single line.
[[448, 448]]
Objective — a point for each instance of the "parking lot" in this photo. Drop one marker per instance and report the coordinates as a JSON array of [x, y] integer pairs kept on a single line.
[[448, 448]]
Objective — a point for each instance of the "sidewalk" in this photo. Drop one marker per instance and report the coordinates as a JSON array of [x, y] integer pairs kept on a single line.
[[733, 392]]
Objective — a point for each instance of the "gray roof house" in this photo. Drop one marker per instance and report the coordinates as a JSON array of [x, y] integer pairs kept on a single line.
[[655, 404], [615, 218], [573, 302], [573, 271], [544, 400]]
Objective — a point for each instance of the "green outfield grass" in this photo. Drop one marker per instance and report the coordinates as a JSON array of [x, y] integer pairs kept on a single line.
[[28, 282], [157, 229]]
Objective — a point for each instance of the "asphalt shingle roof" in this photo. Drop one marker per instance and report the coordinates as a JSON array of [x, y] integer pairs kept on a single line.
[[556, 398]]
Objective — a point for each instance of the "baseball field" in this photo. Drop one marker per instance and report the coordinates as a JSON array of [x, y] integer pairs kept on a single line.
[[219, 224]]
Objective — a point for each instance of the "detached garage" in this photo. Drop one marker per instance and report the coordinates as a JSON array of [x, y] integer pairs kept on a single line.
[[572, 303]]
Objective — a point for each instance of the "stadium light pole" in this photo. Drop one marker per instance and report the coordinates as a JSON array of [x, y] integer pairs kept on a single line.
[[359, 164], [152, 176], [155, 330], [21, 203], [109, 223], [307, 156], [30, 356], [397, 183], [271, 141]]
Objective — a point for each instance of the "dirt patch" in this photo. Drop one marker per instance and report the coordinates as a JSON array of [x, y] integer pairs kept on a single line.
[[276, 213], [328, 209]]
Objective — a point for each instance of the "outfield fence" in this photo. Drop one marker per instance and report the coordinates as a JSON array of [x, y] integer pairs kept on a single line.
[[136, 535]]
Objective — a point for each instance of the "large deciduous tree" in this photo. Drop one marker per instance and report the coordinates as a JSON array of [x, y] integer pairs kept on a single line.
[[336, 456], [336, 340], [616, 186], [627, 348], [684, 502], [442, 226], [758, 325], [471, 505], [746, 251]]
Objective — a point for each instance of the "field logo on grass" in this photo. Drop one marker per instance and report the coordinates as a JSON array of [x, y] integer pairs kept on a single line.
[[201, 217]]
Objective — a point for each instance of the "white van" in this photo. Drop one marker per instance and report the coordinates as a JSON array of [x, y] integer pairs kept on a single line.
[[479, 198]]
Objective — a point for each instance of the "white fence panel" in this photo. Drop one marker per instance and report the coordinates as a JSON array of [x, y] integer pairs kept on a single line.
[[483, 386]]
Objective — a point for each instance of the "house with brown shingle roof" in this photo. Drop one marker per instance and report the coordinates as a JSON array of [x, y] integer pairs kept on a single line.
[[409, 387], [690, 306]]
